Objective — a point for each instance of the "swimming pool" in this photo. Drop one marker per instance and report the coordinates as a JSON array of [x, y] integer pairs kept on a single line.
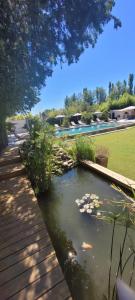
[[85, 129]]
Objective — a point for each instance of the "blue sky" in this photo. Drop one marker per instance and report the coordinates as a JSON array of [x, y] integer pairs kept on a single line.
[[112, 59]]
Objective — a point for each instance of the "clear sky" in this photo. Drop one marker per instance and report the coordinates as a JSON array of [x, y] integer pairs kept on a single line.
[[112, 59]]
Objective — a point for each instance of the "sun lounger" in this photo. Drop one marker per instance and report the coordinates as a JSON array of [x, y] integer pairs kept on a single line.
[[81, 123], [73, 123], [56, 126]]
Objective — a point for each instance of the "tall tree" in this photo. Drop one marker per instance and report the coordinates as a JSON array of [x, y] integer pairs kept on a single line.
[[110, 88], [130, 83], [36, 35], [100, 94], [88, 96]]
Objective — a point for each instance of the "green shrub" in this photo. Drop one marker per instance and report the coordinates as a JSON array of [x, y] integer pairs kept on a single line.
[[37, 155], [87, 117], [85, 149], [65, 122]]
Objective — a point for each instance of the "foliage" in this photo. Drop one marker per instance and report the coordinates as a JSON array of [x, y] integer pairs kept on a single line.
[[100, 94], [85, 148], [87, 117], [37, 155], [88, 96], [130, 83], [105, 115], [124, 101], [40, 35], [28, 50], [20, 117], [65, 122]]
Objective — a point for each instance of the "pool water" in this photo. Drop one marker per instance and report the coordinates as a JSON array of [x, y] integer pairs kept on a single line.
[[83, 129], [59, 204]]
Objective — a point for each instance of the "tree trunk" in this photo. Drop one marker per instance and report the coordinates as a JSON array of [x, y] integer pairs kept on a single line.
[[3, 135]]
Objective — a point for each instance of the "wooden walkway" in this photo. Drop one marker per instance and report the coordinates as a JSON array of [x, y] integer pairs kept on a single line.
[[29, 268], [121, 180]]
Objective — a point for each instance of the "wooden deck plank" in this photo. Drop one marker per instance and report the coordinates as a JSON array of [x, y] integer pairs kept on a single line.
[[29, 276], [27, 263], [22, 244], [39, 287], [60, 291], [29, 268], [24, 253], [15, 231], [21, 236], [14, 171], [119, 179]]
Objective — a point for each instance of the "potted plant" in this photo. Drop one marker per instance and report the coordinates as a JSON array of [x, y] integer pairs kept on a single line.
[[101, 157]]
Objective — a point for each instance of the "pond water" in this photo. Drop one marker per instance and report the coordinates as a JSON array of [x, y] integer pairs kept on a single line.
[[59, 204]]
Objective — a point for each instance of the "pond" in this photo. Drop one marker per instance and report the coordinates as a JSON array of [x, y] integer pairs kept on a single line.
[[60, 209]]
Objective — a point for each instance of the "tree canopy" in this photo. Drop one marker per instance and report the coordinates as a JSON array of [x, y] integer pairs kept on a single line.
[[36, 35]]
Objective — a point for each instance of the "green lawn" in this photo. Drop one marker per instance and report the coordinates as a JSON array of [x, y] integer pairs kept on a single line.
[[121, 147]]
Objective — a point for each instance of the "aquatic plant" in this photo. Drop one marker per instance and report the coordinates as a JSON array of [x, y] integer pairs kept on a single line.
[[89, 204], [125, 216], [85, 148], [37, 155]]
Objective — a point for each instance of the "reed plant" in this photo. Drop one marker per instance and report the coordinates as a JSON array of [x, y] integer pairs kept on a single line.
[[85, 149]]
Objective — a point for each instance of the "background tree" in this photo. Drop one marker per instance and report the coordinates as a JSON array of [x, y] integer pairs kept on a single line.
[[100, 94], [110, 88], [35, 36], [130, 83], [88, 96]]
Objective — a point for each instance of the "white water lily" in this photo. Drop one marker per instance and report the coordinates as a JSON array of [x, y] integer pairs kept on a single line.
[[98, 213], [89, 211], [82, 210], [86, 206], [82, 201], [87, 195], [94, 197], [77, 200], [91, 205]]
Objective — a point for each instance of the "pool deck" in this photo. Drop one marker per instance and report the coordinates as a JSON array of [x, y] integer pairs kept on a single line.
[[121, 180], [29, 268]]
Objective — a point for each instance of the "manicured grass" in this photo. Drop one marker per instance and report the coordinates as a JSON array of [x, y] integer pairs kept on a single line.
[[121, 147]]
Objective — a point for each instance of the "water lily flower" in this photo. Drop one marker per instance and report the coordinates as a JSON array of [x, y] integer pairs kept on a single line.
[[77, 200], [89, 211], [82, 210], [91, 205], [86, 206], [92, 196], [98, 213], [82, 201]]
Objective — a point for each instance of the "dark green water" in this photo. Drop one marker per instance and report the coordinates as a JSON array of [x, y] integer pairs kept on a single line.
[[60, 211]]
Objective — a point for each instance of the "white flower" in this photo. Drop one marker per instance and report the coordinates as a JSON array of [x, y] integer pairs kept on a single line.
[[86, 206], [77, 200], [98, 213], [91, 205], [82, 201], [82, 210], [89, 211], [93, 197]]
